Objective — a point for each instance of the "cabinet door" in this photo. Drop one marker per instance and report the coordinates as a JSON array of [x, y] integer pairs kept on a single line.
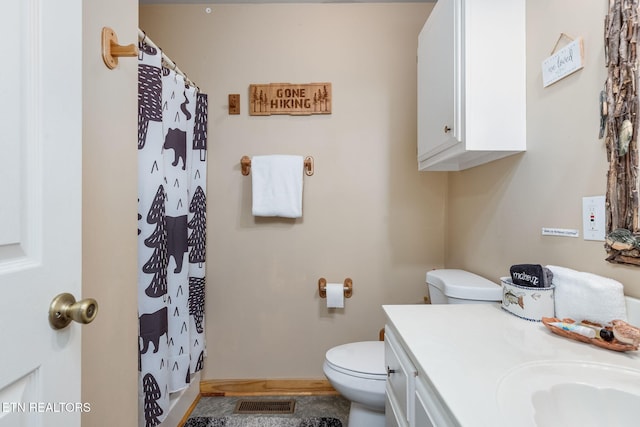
[[401, 377], [397, 379], [439, 121], [421, 415], [428, 408], [391, 415]]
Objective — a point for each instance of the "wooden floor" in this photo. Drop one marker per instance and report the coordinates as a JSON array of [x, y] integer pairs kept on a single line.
[[264, 387]]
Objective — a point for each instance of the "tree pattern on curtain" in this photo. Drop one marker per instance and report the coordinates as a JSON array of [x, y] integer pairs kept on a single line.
[[172, 145]]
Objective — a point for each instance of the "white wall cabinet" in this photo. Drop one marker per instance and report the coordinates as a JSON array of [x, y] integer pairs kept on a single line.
[[471, 83], [410, 400]]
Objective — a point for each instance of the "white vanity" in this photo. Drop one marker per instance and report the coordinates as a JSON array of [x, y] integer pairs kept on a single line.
[[476, 365]]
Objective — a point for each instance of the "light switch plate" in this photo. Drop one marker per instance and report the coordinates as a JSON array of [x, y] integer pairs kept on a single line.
[[234, 103], [593, 221]]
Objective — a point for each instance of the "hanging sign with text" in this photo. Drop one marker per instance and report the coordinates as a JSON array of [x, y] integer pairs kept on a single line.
[[286, 98], [565, 61]]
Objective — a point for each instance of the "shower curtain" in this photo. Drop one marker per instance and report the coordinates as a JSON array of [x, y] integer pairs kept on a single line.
[[172, 145]]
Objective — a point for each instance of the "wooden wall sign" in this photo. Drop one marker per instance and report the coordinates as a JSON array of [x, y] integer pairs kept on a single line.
[[563, 62], [287, 98]]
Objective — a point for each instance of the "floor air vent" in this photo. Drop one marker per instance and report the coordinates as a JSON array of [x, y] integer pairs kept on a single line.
[[265, 406]]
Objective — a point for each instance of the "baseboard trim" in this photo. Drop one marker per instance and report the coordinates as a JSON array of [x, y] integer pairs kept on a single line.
[[187, 414], [266, 387]]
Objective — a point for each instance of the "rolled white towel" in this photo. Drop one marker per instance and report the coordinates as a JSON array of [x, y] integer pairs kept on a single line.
[[584, 296]]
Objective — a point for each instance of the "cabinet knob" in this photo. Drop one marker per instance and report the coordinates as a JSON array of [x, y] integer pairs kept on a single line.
[[447, 129], [390, 371]]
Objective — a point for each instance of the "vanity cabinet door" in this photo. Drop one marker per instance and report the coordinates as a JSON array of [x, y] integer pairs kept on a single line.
[[400, 379], [391, 415], [421, 417], [429, 411]]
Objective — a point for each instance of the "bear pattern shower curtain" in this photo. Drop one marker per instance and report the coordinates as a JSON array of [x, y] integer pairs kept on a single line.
[[172, 144]]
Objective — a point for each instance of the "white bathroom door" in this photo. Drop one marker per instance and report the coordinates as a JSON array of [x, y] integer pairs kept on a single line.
[[40, 210]]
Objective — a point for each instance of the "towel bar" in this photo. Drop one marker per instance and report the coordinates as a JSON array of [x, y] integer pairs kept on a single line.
[[245, 165], [322, 287]]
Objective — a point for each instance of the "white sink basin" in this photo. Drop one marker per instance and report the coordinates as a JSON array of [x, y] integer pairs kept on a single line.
[[581, 394]]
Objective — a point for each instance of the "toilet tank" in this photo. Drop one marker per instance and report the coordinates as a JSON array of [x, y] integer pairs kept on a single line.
[[452, 286]]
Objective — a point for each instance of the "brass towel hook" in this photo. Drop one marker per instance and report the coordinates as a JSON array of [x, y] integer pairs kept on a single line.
[[111, 50]]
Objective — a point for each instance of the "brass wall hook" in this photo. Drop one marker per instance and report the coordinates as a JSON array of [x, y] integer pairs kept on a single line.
[[111, 50]]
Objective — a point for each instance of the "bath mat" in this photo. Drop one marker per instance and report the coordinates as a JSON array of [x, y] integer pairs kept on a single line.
[[251, 421]]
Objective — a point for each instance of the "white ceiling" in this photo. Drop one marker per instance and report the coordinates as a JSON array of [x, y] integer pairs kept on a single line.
[[277, 1]]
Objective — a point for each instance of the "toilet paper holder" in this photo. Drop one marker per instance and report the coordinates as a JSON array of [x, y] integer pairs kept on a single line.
[[322, 287]]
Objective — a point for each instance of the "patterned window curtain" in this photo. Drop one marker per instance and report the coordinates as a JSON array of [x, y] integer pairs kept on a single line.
[[172, 144]]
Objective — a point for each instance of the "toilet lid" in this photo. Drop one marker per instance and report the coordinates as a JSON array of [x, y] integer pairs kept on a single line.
[[366, 357], [464, 285]]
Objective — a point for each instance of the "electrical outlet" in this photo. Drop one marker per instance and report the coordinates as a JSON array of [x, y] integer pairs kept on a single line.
[[593, 222]]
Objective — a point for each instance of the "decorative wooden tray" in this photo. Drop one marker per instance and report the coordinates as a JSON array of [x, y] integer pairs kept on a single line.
[[614, 345]]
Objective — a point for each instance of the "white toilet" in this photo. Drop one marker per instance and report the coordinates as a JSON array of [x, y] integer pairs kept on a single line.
[[357, 370]]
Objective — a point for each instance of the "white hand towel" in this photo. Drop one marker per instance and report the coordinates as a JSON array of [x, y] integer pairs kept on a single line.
[[277, 185], [585, 296]]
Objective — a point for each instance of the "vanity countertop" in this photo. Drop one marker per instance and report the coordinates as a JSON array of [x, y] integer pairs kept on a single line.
[[466, 350]]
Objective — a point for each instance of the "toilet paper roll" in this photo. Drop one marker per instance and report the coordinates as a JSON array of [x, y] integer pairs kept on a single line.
[[335, 295]]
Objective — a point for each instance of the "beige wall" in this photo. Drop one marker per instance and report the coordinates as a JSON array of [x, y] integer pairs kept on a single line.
[[368, 213], [496, 211], [109, 344]]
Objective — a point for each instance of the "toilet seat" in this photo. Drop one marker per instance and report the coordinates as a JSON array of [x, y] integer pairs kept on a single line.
[[357, 372], [359, 359]]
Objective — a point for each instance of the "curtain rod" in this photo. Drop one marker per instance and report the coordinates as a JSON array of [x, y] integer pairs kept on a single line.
[[167, 62]]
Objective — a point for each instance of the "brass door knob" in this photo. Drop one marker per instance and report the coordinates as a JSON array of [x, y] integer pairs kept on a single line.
[[64, 308]]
